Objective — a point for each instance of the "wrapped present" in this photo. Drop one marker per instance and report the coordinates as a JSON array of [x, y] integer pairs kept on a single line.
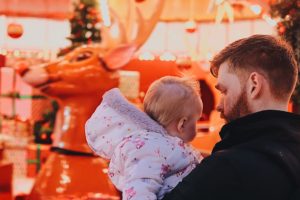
[[16, 126], [17, 156], [7, 125], [23, 128], [37, 155], [18, 130], [129, 84], [6, 174]]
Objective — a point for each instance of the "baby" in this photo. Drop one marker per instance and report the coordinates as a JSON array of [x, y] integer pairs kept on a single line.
[[148, 151]]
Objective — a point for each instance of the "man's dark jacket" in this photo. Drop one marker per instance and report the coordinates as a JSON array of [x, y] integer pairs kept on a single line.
[[258, 158]]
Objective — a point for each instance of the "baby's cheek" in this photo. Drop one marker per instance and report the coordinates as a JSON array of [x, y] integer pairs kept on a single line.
[[191, 132], [193, 128]]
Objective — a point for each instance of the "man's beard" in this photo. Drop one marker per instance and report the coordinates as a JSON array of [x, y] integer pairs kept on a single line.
[[239, 109]]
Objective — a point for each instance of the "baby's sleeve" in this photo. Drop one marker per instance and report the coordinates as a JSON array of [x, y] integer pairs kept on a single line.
[[97, 134], [143, 170]]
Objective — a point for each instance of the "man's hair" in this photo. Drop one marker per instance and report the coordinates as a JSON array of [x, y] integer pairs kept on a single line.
[[272, 57], [169, 98]]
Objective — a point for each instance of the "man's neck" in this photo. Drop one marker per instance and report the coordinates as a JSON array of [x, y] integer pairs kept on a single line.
[[271, 104]]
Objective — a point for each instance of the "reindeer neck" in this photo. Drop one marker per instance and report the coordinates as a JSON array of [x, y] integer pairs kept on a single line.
[[70, 121]]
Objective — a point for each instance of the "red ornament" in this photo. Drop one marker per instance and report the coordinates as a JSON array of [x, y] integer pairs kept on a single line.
[[293, 12], [44, 136], [93, 11], [15, 30], [139, 1], [281, 29], [190, 26], [81, 6], [238, 6], [184, 63]]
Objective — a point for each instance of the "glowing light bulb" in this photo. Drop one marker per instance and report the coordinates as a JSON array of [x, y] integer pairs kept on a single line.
[[256, 9], [167, 56], [190, 26], [146, 56]]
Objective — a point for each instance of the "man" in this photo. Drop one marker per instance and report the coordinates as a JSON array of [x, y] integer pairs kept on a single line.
[[258, 157]]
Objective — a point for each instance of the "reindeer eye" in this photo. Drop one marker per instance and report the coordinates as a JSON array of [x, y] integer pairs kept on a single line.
[[82, 56]]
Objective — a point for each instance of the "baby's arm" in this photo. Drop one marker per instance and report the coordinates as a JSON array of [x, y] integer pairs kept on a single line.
[[143, 170]]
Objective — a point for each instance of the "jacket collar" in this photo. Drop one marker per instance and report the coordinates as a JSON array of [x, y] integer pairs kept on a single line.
[[263, 124]]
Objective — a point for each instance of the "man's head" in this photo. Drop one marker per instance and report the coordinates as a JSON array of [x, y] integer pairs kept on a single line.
[[175, 103], [255, 73]]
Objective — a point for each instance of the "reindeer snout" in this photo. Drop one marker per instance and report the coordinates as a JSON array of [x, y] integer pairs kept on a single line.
[[34, 76], [22, 69]]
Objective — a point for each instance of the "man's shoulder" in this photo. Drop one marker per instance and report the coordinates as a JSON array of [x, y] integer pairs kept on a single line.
[[236, 173], [238, 163], [244, 165], [247, 156]]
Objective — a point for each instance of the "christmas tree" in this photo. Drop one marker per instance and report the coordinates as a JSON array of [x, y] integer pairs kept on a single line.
[[85, 24], [43, 129], [288, 11]]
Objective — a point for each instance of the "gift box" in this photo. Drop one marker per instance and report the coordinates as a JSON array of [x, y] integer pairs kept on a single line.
[[17, 156], [37, 155], [19, 131], [6, 174], [129, 83]]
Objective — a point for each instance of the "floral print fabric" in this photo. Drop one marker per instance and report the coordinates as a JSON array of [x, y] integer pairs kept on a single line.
[[145, 162]]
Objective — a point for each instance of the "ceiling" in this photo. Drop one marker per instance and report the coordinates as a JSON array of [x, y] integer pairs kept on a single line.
[[53, 9], [174, 10]]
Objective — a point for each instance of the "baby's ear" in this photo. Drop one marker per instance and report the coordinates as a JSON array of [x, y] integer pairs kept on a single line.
[[181, 124]]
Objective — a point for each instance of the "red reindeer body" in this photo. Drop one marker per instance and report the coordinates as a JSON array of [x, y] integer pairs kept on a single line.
[[78, 81]]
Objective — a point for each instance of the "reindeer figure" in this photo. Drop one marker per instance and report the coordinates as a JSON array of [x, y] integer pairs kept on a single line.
[[78, 81]]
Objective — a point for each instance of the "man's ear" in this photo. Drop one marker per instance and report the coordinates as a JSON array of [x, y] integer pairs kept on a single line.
[[255, 83], [181, 124]]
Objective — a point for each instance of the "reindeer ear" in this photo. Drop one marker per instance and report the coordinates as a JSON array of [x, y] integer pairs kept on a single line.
[[120, 56]]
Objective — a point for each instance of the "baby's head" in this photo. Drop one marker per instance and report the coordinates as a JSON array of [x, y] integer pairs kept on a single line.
[[175, 103]]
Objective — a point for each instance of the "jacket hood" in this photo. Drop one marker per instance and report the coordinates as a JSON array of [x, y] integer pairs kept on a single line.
[[114, 120]]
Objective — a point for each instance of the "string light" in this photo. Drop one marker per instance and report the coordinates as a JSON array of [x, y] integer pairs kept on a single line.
[[44, 55], [146, 56], [3, 52], [16, 53], [256, 9], [190, 26], [167, 56]]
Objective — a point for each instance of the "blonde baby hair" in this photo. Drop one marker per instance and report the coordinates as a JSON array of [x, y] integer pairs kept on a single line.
[[170, 98]]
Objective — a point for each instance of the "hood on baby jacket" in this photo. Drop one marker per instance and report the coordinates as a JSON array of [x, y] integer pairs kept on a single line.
[[115, 119]]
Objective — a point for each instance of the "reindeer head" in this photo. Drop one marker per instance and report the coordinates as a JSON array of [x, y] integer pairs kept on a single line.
[[85, 70], [90, 69]]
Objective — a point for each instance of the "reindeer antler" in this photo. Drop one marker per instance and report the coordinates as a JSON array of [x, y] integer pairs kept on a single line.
[[147, 25], [134, 28]]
